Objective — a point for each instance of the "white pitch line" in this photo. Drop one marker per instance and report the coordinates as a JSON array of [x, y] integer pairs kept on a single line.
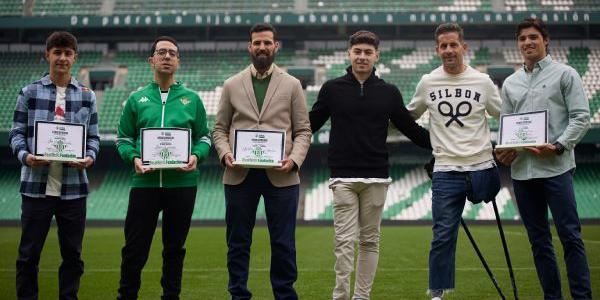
[[188, 270], [554, 238]]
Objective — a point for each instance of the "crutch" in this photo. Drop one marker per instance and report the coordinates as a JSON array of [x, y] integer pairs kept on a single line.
[[483, 262], [506, 254]]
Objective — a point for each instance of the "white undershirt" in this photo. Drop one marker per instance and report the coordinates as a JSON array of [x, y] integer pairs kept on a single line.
[[164, 95], [361, 180], [55, 170], [465, 168]]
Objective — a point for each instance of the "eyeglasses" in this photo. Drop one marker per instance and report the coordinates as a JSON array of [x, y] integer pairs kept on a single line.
[[163, 52]]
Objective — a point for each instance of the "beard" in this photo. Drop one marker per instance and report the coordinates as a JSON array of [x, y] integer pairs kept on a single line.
[[261, 62]]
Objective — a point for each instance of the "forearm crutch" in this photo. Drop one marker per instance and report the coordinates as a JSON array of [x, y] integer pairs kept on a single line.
[[506, 254], [483, 262]]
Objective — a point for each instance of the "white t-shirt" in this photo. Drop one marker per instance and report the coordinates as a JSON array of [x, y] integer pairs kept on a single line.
[[164, 95], [55, 170], [333, 181], [457, 106]]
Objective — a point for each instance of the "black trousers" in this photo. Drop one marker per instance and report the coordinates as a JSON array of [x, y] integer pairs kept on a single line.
[[177, 205], [36, 217]]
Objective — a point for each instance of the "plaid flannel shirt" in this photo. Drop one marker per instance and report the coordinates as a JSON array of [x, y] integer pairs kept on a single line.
[[37, 101]]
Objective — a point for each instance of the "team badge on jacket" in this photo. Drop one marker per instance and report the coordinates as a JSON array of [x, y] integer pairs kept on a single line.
[[184, 101]]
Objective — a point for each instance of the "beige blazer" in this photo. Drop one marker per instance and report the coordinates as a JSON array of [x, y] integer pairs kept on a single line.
[[284, 109]]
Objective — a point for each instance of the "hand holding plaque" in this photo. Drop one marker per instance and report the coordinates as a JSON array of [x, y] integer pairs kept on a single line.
[[165, 148], [259, 148], [59, 141], [523, 130]]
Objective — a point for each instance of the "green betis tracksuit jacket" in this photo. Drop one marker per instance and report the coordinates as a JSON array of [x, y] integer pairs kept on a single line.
[[144, 109]]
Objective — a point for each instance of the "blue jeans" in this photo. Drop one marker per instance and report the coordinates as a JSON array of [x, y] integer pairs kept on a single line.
[[449, 193], [281, 205], [534, 197]]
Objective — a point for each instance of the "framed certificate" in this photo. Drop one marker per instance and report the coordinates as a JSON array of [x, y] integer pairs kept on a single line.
[[59, 141], [523, 130], [259, 148], [165, 148]]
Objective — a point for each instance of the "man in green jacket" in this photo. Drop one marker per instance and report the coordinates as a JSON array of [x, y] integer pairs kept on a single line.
[[162, 103]]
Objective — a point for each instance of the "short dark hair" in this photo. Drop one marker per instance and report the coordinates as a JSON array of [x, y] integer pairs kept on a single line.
[[449, 27], [260, 27], [364, 37], [529, 22], [61, 39], [163, 38]]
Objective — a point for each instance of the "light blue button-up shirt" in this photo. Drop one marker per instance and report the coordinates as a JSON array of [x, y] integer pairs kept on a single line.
[[557, 88]]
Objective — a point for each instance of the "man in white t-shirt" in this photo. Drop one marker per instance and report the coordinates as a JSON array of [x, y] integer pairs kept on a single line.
[[457, 98]]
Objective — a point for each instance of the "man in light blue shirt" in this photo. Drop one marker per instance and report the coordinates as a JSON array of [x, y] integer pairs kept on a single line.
[[543, 175]]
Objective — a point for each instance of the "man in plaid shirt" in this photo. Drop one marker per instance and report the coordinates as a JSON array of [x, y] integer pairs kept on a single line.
[[53, 188]]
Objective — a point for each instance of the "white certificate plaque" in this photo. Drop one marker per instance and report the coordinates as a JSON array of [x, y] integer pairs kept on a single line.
[[59, 141], [165, 148], [259, 148], [523, 130]]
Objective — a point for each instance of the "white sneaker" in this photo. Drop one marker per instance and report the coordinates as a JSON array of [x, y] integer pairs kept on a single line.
[[437, 294]]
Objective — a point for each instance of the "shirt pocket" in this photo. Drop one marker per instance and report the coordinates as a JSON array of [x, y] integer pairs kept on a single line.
[[41, 115], [546, 94], [538, 99]]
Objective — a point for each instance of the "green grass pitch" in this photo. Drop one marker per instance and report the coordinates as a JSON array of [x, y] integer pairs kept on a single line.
[[402, 272]]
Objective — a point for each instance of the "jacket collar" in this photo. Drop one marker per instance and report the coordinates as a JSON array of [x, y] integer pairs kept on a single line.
[[175, 85], [47, 81], [371, 77]]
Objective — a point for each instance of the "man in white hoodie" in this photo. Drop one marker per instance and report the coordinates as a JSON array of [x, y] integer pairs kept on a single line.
[[457, 98]]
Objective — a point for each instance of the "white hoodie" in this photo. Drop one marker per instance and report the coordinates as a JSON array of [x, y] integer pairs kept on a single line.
[[460, 135]]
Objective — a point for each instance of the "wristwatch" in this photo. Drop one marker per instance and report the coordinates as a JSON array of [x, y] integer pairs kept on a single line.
[[560, 149]]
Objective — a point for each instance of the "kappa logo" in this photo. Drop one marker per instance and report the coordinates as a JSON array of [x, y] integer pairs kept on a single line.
[[143, 99], [184, 101]]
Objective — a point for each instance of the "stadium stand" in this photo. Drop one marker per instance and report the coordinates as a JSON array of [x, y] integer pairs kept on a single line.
[[409, 196], [586, 190], [11, 8], [18, 70], [205, 71], [194, 6], [10, 199], [161, 7], [60, 7], [109, 110], [21, 68], [109, 196]]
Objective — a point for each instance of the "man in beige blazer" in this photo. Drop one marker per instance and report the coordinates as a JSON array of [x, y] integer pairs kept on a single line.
[[262, 97]]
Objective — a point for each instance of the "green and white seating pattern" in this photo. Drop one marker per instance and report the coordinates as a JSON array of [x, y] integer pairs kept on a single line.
[[408, 198]]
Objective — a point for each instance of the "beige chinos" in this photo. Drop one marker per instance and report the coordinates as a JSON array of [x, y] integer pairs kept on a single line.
[[357, 210]]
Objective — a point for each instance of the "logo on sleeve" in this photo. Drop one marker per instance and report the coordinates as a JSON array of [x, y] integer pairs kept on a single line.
[[143, 99]]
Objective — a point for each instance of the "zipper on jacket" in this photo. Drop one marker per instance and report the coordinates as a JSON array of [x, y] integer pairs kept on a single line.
[[362, 91], [162, 124]]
